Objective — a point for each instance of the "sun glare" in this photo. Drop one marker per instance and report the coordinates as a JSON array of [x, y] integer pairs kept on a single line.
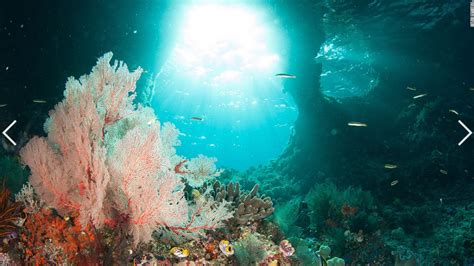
[[225, 43]]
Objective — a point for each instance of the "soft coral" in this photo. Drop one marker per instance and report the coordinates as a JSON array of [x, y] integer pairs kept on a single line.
[[73, 243]]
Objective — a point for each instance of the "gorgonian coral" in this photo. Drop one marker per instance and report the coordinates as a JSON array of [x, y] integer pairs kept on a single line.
[[197, 171], [30, 200], [107, 160]]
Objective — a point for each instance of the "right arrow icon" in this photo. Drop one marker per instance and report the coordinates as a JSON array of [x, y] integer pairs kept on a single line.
[[468, 134]]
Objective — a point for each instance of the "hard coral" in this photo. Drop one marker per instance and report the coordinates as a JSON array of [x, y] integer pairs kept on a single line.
[[250, 207]]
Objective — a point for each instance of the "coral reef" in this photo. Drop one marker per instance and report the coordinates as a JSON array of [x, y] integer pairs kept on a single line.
[[47, 238], [106, 180], [107, 163], [249, 206], [107, 186], [352, 209], [448, 240], [347, 220], [107, 177], [280, 187], [249, 250]]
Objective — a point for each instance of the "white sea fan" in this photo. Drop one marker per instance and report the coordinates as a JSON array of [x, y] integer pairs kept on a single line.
[[200, 170], [169, 138], [205, 214], [30, 200]]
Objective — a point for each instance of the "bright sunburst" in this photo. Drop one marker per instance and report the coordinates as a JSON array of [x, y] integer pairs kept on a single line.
[[225, 43], [222, 70]]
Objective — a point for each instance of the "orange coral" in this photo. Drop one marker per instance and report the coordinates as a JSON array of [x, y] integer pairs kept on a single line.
[[347, 210], [48, 238], [211, 250]]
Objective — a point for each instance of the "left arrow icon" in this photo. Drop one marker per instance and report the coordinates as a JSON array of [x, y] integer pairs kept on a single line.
[[6, 135]]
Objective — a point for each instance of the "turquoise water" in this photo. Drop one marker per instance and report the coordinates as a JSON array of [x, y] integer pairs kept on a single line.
[[355, 146], [241, 131], [221, 71]]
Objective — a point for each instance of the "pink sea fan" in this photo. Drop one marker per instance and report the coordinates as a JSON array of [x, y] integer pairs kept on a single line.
[[142, 188], [102, 157]]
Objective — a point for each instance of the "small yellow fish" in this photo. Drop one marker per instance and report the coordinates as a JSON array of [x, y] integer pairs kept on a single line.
[[420, 95], [66, 218], [394, 182], [356, 124], [444, 172], [411, 88], [180, 252], [226, 248], [39, 101], [229, 250], [390, 166], [454, 111], [3, 105]]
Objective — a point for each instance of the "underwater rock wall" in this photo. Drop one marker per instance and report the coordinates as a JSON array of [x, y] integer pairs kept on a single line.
[[407, 156], [308, 152], [419, 136]]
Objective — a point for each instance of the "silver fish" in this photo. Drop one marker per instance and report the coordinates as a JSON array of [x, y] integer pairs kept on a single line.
[[285, 76], [454, 111], [390, 166], [420, 95], [356, 124], [39, 101]]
